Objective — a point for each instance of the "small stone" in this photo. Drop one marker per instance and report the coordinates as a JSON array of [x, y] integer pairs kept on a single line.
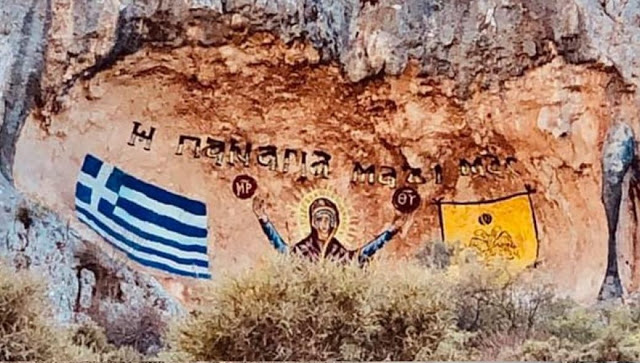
[[22, 261], [529, 47], [238, 22], [87, 283], [95, 91]]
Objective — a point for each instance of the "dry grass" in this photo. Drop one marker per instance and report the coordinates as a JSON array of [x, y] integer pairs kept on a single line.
[[288, 309], [27, 332], [24, 333]]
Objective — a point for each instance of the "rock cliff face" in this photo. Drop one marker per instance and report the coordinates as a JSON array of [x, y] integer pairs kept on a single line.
[[461, 100], [84, 282]]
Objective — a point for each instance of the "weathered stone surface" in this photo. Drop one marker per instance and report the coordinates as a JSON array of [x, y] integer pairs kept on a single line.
[[536, 80], [618, 157], [22, 46], [37, 238], [472, 42], [250, 93]]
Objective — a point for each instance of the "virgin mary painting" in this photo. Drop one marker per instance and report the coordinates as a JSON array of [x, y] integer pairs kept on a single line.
[[324, 220]]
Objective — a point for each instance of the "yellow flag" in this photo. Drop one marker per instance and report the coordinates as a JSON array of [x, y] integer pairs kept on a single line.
[[504, 227]]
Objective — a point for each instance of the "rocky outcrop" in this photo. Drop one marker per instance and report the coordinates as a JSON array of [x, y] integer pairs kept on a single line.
[[403, 84], [82, 279], [618, 157], [23, 48]]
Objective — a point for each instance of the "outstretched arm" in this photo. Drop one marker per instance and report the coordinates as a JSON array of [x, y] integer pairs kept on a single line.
[[267, 227], [380, 241], [377, 243], [274, 237]]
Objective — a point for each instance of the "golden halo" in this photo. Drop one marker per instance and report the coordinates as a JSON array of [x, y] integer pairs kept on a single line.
[[300, 212]]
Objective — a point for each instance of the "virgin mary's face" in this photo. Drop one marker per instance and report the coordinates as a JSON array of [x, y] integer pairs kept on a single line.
[[324, 225]]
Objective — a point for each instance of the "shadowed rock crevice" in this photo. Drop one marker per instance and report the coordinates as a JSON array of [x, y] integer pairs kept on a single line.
[[24, 83], [618, 156]]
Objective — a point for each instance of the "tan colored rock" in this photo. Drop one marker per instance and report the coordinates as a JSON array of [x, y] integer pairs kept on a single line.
[[496, 81], [250, 96]]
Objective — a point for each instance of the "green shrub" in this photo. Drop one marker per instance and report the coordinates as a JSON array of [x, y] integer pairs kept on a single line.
[[579, 325], [289, 309], [495, 298], [597, 333]]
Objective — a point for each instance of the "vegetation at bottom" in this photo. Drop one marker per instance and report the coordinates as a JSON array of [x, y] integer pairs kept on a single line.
[[28, 331], [431, 308]]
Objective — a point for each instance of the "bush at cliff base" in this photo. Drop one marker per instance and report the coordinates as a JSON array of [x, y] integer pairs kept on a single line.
[[288, 309], [292, 310], [27, 332], [24, 334]]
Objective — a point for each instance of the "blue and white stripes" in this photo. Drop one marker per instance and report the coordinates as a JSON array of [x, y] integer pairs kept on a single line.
[[153, 226]]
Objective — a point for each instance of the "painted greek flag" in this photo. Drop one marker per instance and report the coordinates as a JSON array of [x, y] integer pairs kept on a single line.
[[152, 226]]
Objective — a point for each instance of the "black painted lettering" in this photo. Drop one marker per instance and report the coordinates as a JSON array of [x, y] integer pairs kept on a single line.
[[465, 167], [494, 165], [415, 176], [360, 174], [214, 150], [183, 139], [437, 171], [268, 156], [388, 176], [477, 168], [320, 168], [474, 169], [287, 159], [303, 166], [235, 152], [146, 136]]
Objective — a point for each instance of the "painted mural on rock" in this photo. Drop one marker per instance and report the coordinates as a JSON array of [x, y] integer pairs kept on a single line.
[[308, 130], [150, 225], [155, 227], [503, 227], [324, 223], [498, 228]]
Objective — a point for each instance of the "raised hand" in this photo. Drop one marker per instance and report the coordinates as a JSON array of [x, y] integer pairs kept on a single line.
[[399, 220], [260, 208]]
